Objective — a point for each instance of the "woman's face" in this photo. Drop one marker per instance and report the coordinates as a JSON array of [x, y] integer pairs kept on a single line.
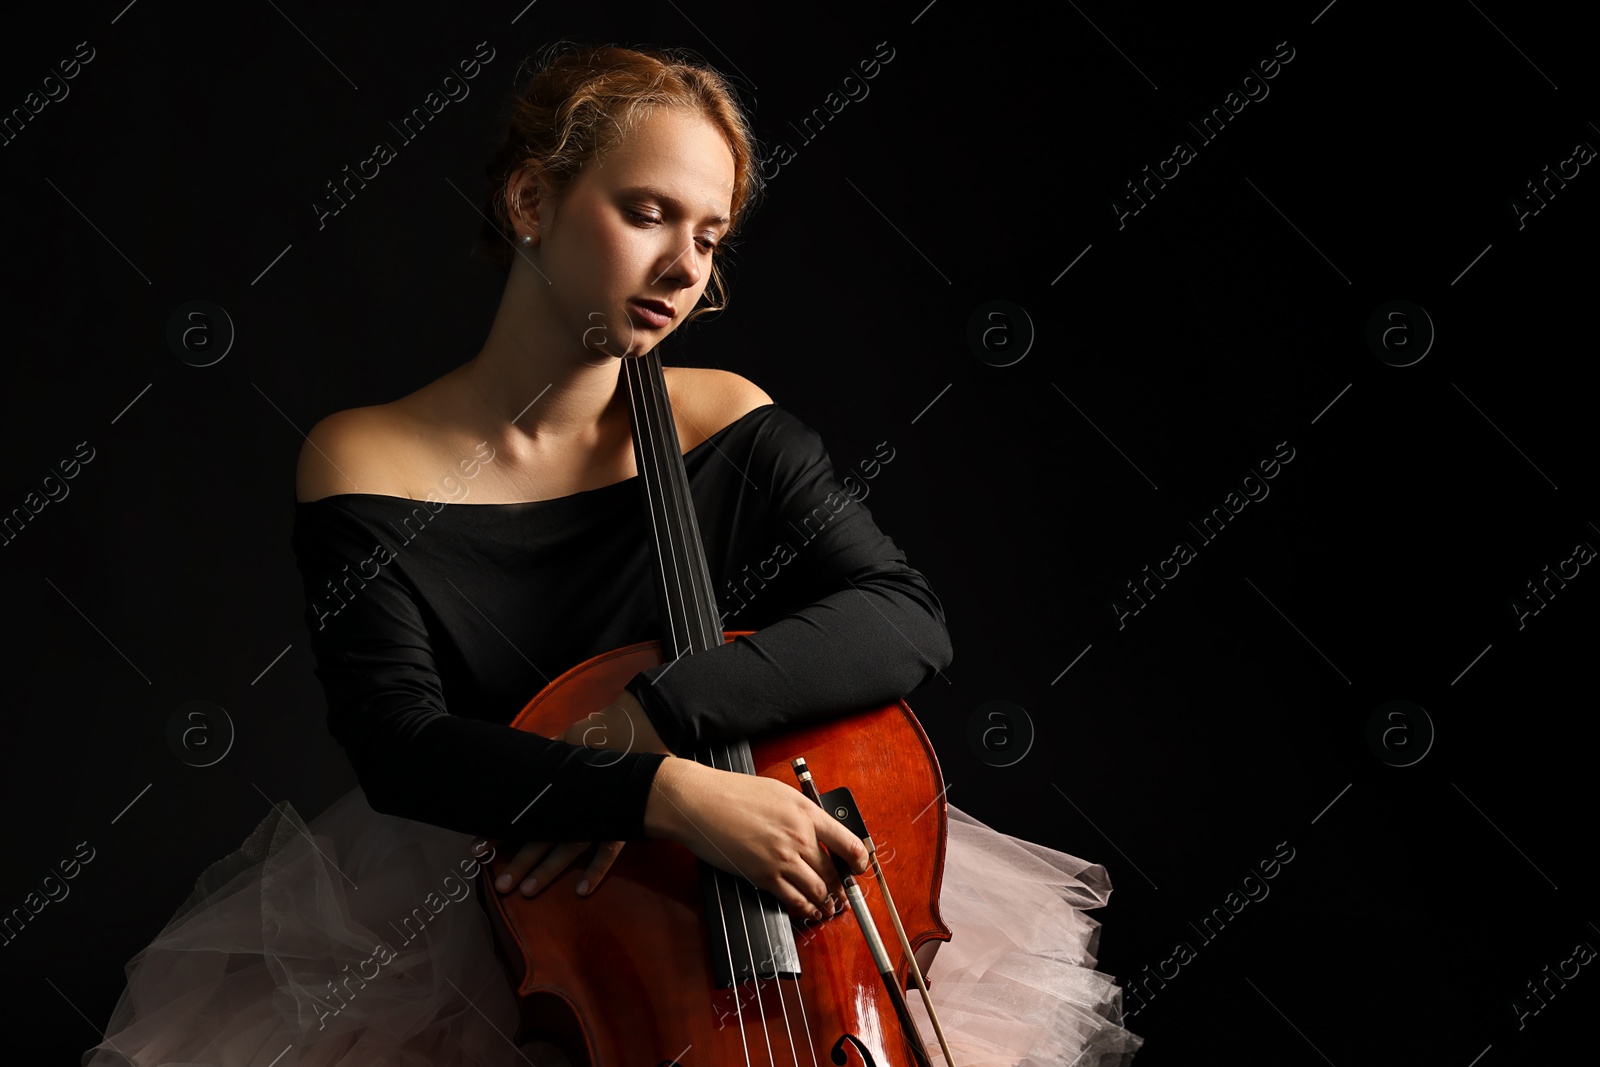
[[638, 229]]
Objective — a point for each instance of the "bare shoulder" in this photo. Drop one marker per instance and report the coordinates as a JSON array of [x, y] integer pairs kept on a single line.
[[374, 449], [344, 453], [716, 398]]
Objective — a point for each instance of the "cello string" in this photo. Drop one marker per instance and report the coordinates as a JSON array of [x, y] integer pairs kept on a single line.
[[738, 1001], [702, 602], [720, 880], [652, 446], [664, 436], [679, 532], [656, 435], [640, 398]]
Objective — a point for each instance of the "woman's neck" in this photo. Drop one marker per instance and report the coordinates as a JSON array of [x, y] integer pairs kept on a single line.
[[532, 387]]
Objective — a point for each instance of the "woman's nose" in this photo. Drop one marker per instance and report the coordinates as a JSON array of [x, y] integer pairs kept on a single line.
[[683, 267]]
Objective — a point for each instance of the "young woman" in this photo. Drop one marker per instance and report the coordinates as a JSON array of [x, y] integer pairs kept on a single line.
[[464, 544]]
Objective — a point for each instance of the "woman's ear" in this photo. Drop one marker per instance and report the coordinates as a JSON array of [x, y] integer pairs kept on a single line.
[[526, 193]]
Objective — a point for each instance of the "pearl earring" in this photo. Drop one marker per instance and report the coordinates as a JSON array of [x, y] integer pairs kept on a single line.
[[527, 240]]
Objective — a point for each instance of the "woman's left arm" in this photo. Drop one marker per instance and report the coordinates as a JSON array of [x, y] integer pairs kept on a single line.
[[865, 628]]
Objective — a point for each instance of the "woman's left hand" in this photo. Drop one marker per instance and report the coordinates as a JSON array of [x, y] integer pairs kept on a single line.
[[622, 727]]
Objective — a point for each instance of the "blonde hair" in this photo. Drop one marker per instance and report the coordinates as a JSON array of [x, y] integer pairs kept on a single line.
[[580, 102]]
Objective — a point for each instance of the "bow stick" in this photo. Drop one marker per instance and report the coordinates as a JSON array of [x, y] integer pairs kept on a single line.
[[842, 806]]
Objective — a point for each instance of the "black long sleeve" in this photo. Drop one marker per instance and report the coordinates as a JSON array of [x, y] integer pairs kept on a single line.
[[865, 628], [415, 759]]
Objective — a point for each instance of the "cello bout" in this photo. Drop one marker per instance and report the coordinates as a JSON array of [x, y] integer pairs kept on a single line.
[[625, 975]]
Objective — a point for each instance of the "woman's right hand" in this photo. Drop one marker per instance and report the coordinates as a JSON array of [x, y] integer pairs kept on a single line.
[[767, 832], [537, 863]]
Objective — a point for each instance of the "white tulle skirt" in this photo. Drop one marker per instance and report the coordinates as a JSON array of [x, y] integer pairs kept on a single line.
[[242, 972]]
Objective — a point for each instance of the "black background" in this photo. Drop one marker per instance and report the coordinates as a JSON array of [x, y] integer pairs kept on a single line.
[[1182, 346]]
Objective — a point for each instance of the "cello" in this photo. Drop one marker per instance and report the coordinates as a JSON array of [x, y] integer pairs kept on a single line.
[[673, 962]]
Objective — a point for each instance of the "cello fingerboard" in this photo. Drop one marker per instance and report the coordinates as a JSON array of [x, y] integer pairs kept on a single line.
[[748, 932]]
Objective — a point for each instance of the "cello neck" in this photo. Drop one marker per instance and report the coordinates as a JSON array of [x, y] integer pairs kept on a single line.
[[684, 593], [690, 623]]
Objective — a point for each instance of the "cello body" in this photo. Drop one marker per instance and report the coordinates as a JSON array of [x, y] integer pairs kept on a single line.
[[623, 976]]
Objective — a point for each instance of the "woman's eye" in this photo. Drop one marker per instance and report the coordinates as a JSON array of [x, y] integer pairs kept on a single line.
[[706, 243]]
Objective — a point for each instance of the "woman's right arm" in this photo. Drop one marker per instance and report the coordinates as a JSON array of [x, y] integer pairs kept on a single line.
[[416, 760], [386, 707]]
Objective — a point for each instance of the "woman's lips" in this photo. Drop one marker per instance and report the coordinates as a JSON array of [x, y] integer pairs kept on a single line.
[[651, 315]]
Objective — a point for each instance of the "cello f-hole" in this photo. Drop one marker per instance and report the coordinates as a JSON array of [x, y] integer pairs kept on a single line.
[[840, 1058]]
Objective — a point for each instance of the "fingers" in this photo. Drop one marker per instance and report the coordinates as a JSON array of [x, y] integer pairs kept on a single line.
[[604, 856], [842, 842], [817, 890], [535, 864], [802, 890], [517, 867], [804, 904]]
